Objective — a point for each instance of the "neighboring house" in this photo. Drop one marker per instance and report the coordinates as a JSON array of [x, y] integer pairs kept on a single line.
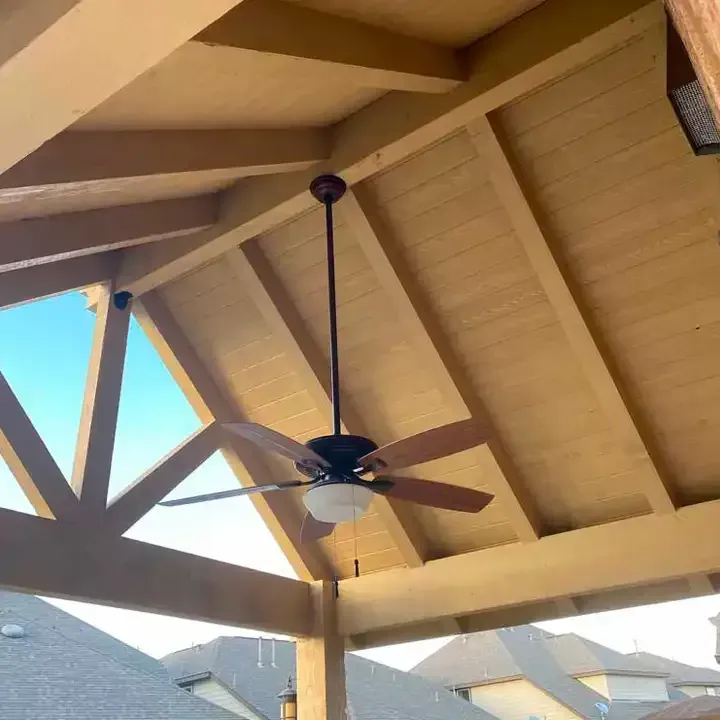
[[246, 675], [56, 667], [688, 680], [521, 672]]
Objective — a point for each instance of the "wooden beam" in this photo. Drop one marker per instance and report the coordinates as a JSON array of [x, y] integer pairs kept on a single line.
[[698, 24], [285, 323], [35, 241], [27, 284], [98, 420], [60, 60], [85, 157], [321, 693], [505, 65], [47, 557], [30, 462], [212, 402], [566, 299], [636, 552], [433, 348], [377, 58], [140, 497]]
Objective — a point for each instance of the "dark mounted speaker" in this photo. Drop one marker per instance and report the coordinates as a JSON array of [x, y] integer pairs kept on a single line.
[[688, 99]]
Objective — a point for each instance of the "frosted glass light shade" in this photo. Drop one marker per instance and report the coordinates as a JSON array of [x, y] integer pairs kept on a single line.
[[338, 502]]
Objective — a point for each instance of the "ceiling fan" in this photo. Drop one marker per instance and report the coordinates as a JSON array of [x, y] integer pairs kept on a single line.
[[334, 465]]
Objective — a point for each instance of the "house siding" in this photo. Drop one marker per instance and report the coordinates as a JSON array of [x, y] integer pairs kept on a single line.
[[215, 693], [697, 690], [518, 700], [633, 687], [598, 683]]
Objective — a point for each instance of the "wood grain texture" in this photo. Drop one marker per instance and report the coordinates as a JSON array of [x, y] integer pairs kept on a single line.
[[559, 286], [211, 402], [398, 126], [320, 659], [136, 500], [269, 296], [75, 53], [434, 350], [25, 243], [46, 557], [30, 462], [18, 287], [319, 42], [98, 419]]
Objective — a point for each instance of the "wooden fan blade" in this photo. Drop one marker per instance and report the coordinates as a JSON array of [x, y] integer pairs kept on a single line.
[[276, 442], [231, 493], [431, 493], [313, 529], [429, 445]]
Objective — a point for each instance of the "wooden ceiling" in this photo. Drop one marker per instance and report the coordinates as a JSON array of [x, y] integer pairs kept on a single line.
[[528, 240]]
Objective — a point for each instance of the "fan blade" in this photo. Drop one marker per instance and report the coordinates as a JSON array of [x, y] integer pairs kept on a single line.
[[431, 493], [231, 493], [276, 442], [429, 445], [313, 529]]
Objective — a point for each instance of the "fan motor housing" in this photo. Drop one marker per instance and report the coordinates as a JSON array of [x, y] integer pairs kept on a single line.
[[343, 452]]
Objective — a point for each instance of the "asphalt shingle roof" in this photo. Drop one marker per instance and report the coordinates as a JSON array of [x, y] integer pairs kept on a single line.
[[64, 669], [679, 673], [698, 707], [551, 662], [375, 691]]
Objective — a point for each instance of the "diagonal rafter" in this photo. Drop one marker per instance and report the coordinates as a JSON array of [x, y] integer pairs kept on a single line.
[[98, 421], [506, 64], [566, 299], [140, 497], [372, 56], [434, 348], [90, 157], [270, 297], [213, 403], [18, 287], [30, 461], [35, 241]]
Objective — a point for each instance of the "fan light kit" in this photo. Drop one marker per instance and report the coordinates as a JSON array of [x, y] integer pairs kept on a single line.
[[335, 465]]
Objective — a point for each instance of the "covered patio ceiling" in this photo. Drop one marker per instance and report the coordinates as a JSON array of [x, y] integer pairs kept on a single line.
[[528, 240]]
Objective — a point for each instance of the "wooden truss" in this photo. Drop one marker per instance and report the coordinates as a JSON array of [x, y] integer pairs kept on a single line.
[[75, 548]]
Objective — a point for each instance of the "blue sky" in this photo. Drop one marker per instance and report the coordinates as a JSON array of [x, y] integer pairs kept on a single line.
[[44, 351]]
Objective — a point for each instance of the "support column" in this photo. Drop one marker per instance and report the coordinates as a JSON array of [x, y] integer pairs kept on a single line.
[[321, 693]]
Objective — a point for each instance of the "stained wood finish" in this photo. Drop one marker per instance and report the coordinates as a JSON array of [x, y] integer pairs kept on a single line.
[[282, 317], [46, 557], [30, 462], [434, 349], [567, 303], [401, 126], [211, 403], [98, 420], [698, 22], [140, 497], [18, 287], [321, 661], [25, 243], [377, 58], [583, 562], [75, 54], [87, 157]]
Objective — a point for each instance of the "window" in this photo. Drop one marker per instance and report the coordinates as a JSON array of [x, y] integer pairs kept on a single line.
[[463, 693]]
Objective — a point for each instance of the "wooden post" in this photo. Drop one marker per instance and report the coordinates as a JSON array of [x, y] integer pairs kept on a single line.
[[96, 436], [698, 23], [321, 661]]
